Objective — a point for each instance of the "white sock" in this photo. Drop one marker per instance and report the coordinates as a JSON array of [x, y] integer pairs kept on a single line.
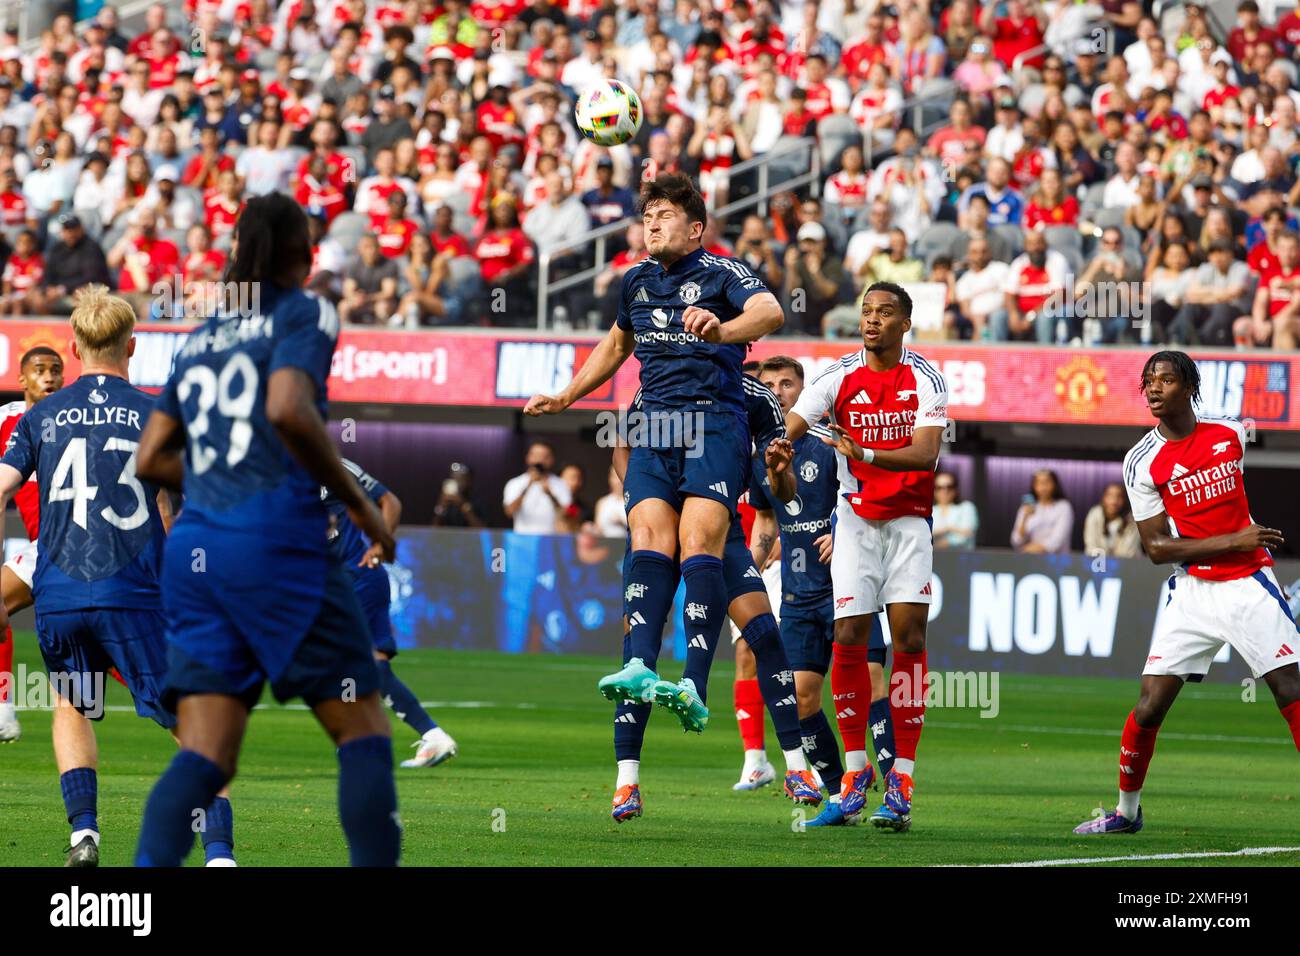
[[903, 765], [79, 835], [629, 772], [855, 760], [754, 759], [794, 759], [8, 711], [818, 777], [1128, 804]]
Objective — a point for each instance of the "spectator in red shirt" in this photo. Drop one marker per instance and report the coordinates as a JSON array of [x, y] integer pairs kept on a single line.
[[143, 258], [13, 207], [865, 51], [1018, 32], [395, 232], [506, 260], [209, 162], [339, 169], [1249, 31], [1262, 257], [22, 274], [446, 240], [952, 144], [317, 194], [1051, 205]]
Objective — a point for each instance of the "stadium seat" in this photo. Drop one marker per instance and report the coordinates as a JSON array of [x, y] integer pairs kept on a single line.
[[938, 240], [1063, 238], [836, 133], [1092, 200], [348, 228], [358, 157], [1012, 236], [1132, 238], [1107, 217]]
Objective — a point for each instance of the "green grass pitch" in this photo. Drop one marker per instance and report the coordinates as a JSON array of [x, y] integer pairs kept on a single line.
[[531, 785]]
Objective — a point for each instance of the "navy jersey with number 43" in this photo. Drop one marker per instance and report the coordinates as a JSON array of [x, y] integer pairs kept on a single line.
[[238, 474], [678, 370], [101, 536], [346, 540], [804, 519]]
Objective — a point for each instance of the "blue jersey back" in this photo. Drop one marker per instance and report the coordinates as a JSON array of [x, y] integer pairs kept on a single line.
[[678, 370], [101, 537], [805, 581], [238, 474], [763, 411], [346, 540]]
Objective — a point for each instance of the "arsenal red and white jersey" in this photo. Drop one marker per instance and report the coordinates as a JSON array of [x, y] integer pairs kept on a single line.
[[880, 410], [27, 499], [1198, 483]]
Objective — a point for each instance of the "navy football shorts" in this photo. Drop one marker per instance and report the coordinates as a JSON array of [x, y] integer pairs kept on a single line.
[[716, 466], [808, 634], [212, 650], [374, 593], [80, 647]]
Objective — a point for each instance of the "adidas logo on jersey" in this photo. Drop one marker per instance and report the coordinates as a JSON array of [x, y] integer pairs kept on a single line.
[[641, 295], [862, 398], [785, 702], [696, 612], [625, 719], [635, 619], [752, 572], [1179, 471], [699, 642], [719, 487]]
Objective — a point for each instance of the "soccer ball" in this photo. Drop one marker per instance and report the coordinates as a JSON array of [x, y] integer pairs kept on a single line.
[[608, 113]]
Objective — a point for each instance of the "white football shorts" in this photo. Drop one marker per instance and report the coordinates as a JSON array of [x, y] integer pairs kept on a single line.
[[23, 563], [876, 563]]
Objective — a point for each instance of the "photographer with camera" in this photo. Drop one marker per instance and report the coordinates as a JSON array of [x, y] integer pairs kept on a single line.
[[456, 507], [536, 499]]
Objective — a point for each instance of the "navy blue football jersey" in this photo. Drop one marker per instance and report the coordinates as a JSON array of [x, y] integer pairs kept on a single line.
[[762, 412], [238, 474], [678, 370], [100, 537], [805, 518], [346, 540]]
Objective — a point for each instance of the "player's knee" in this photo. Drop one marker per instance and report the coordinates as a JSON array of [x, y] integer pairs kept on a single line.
[[909, 639], [1150, 710], [809, 701], [854, 631]]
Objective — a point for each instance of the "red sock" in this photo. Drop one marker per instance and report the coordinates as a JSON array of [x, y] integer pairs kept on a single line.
[[851, 688], [1136, 748], [6, 666], [907, 701], [749, 713], [1291, 712]]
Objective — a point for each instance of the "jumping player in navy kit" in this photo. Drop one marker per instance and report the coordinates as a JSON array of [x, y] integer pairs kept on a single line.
[[101, 537], [250, 589]]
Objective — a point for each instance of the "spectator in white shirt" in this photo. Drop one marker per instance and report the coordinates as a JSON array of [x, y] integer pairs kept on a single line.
[[1122, 189], [980, 289], [611, 516], [139, 101], [536, 499], [265, 168]]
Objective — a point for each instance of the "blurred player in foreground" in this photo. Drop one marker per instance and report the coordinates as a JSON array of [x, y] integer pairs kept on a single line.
[[370, 581], [251, 590], [1185, 484], [889, 410], [40, 373], [804, 525], [101, 536]]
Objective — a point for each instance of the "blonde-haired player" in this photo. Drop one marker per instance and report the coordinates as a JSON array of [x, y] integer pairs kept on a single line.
[[101, 536]]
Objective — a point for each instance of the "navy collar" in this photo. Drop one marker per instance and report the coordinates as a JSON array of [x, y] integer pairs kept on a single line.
[[687, 260]]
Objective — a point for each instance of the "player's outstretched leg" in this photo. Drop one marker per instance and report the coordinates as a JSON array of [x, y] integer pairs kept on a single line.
[[1137, 747], [757, 770], [702, 615], [10, 729], [435, 745], [630, 720]]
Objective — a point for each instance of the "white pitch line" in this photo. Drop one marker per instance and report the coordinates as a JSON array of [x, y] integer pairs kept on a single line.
[[436, 704], [1138, 857], [992, 724]]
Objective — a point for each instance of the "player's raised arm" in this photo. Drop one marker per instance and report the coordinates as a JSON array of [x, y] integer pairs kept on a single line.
[[605, 359], [762, 315]]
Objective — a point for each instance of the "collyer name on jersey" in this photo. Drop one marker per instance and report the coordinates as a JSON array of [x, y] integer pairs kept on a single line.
[[882, 426], [98, 415], [1207, 482]]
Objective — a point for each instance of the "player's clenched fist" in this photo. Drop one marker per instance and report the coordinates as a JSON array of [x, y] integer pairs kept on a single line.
[[778, 455], [702, 323], [544, 405]]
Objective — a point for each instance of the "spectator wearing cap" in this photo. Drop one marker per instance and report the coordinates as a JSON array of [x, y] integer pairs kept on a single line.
[[1218, 294], [74, 261], [814, 280], [387, 128], [585, 68], [1005, 138], [608, 203], [173, 210], [1275, 314]]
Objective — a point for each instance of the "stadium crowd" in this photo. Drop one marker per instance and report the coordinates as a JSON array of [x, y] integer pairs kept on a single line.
[[1053, 169]]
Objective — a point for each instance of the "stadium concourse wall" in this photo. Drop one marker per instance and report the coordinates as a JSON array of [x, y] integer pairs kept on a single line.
[[993, 610]]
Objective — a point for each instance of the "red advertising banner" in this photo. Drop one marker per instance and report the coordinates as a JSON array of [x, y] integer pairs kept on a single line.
[[503, 368]]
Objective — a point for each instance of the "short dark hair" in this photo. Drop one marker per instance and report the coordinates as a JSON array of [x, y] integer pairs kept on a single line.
[[1057, 491], [752, 367], [677, 189], [1184, 367], [36, 352], [779, 363], [897, 291]]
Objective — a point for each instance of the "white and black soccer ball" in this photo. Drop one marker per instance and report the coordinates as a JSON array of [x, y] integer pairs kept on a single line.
[[608, 113]]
